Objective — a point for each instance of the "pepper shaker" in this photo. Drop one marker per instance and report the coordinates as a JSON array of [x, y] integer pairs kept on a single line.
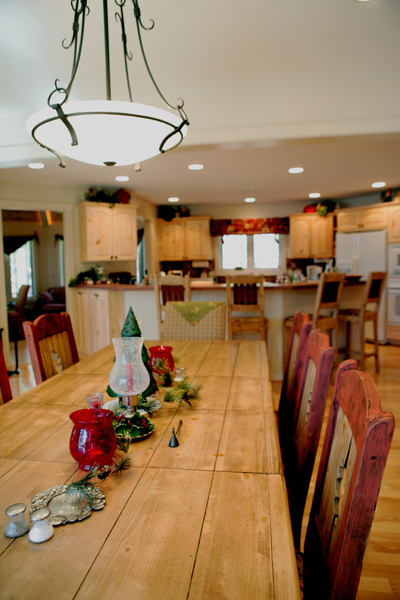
[[17, 524], [41, 529]]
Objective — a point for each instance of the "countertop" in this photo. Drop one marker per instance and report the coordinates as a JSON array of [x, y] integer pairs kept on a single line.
[[200, 285]]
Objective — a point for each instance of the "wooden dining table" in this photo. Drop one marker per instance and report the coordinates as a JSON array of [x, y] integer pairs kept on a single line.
[[208, 519]]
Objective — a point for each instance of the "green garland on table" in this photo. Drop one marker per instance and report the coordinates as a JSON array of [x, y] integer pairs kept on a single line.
[[184, 391]]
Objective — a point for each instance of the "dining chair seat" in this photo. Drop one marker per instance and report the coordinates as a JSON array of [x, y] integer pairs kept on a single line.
[[354, 454], [51, 344]]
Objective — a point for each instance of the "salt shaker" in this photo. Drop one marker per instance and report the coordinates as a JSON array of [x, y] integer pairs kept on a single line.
[[41, 530], [17, 524]]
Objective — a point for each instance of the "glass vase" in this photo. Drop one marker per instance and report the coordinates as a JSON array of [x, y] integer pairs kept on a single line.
[[93, 440], [128, 376]]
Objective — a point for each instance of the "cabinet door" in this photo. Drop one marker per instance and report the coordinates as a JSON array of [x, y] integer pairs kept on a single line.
[[198, 240], [99, 245], [394, 224], [101, 319], [171, 240], [84, 322], [322, 237], [124, 233], [349, 220], [300, 237], [373, 219]]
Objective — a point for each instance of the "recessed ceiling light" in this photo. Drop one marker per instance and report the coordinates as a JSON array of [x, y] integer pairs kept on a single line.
[[378, 184], [36, 166], [296, 170], [196, 167], [249, 199], [173, 199], [363, 0], [122, 178], [314, 195]]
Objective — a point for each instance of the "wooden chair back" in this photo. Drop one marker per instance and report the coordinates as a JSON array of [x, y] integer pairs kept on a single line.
[[372, 295], [354, 454], [21, 299], [327, 304], [300, 448], [51, 344], [245, 293], [5, 389], [170, 288], [294, 364]]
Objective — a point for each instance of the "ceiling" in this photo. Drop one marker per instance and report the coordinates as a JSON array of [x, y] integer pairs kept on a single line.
[[267, 84]]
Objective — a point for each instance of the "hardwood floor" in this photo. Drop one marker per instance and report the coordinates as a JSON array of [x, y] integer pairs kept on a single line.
[[380, 579]]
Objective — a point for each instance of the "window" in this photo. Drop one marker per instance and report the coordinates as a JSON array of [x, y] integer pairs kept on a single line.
[[20, 266], [250, 253]]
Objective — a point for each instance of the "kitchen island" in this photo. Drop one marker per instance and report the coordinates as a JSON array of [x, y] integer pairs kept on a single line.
[[106, 304]]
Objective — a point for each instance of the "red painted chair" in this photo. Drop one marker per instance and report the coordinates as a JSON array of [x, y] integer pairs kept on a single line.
[[299, 447], [294, 368], [51, 344], [5, 389], [354, 454]]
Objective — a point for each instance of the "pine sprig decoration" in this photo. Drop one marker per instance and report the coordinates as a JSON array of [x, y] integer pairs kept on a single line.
[[185, 391], [166, 378], [123, 465]]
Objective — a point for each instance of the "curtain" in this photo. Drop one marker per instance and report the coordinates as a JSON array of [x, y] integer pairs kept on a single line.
[[13, 242], [249, 226]]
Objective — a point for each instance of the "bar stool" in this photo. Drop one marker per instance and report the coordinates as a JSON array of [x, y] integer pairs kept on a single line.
[[327, 303], [372, 296], [245, 293]]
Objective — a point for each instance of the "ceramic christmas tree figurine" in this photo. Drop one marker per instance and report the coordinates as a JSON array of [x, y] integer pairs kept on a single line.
[[132, 329]]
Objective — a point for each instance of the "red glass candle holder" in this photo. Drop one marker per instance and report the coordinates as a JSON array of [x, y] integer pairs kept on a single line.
[[161, 357], [93, 440]]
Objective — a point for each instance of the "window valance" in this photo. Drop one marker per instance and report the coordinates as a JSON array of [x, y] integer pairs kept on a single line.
[[249, 226], [13, 242]]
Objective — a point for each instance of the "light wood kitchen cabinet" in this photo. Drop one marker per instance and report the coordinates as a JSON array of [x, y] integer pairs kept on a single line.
[[361, 219], [107, 234], [186, 238], [311, 236], [393, 223], [97, 315]]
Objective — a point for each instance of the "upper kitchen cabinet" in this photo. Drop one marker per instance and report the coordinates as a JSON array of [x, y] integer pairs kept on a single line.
[[393, 223], [107, 233], [184, 238], [361, 219], [311, 236]]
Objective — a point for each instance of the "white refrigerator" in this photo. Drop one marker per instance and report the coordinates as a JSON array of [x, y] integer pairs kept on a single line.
[[359, 254]]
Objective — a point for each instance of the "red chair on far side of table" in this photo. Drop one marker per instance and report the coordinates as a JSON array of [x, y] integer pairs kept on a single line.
[[51, 344], [353, 459], [5, 389]]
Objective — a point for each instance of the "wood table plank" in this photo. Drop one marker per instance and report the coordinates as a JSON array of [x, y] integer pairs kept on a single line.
[[57, 568], [198, 438], [12, 413], [215, 392], [243, 444], [251, 360], [53, 390], [246, 394], [234, 560], [22, 438], [220, 359], [151, 550]]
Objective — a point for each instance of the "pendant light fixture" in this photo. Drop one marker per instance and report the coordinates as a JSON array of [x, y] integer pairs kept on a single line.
[[106, 132]]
